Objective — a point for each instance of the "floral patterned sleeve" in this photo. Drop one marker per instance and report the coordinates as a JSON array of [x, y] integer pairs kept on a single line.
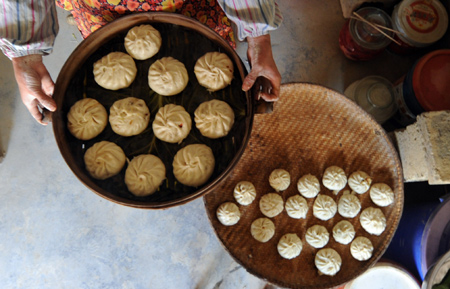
[[27, 27], [252, 17]]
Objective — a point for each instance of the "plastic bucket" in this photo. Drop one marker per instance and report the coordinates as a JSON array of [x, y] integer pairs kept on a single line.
[[406, 245]]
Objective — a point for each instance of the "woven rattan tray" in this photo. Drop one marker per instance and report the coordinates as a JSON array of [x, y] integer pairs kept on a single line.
[[311, 128]]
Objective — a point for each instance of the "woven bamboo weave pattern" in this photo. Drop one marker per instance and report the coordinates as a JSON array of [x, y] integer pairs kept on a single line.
[[310, 129]]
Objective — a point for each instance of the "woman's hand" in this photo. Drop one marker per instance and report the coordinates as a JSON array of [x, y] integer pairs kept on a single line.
[[35, 85], [264, 75]]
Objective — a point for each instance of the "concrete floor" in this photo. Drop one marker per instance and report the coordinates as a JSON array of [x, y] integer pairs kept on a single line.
[[56, 233]]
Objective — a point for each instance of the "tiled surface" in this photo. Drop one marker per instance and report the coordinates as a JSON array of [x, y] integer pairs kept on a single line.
[[55, 233]]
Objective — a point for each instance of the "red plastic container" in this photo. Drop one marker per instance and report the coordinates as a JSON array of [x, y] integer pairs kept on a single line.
[[431, 81], [426, 87]]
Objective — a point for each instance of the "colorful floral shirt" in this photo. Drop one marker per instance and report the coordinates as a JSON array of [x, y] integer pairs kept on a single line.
[[30, 26]]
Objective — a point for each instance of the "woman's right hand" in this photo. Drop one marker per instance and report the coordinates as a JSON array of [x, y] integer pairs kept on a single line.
[[35, 85]]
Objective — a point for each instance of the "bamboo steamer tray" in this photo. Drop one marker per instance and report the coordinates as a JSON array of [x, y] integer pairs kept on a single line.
[[311, 128], [186, 40]]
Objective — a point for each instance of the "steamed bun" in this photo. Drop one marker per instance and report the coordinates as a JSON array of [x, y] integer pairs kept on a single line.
[[193, 165], [289, 246], [172, 123], [214, 70], [144, 175], [271, 204], [343, 232], [381, 194], [349, 205], [228, 214], [86, 119], [373, 221], [129, 116], [279, 179], [244, 193], [142, 42], [308, 186], [115, 71], [334, 178], [359, 182], [167, 76], [361, 248], [317, 236], [262, 229], [296, 207], [104, 160], [214, 118], [324, 207], [328, 261]]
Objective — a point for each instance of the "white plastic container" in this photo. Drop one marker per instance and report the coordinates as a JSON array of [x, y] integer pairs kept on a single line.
[[384, 275], [421, 22]]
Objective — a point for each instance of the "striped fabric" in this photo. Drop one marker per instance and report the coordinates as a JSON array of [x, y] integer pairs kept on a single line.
[[252, 17], [30, 26], [27, 27]]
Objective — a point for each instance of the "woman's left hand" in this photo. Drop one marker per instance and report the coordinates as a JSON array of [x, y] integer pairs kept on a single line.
[[264, 73]]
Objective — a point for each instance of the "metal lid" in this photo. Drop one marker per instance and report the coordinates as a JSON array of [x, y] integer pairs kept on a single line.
[[423, 22]]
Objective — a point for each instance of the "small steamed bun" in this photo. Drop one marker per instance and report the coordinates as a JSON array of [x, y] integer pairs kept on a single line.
[[343, 232], [86, 119], [328, 261], [279, 179], [144, 175], [244, 193], [373, 221], [361, 248], [262, 229], [381, 194], [193, 165], [214, 70], [115, 71], [359, 182], [228, 214], [104, 160], [289, 246], [349, 205], [334, 178], [142, 42], [271, 204], [172, 123], [167, 76], [308, 186], [214, 118], [317, 236], [129, 116], [324, 207], [296, 207]]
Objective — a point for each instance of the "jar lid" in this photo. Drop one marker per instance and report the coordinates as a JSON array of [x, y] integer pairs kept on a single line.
[[431, 80], [422, 21], [365, 34]]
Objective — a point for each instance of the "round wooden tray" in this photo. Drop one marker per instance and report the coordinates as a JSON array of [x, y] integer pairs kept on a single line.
[[184, 39], [311, 128]]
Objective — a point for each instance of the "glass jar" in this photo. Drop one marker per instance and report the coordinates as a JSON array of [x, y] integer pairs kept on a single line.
[[359, 40], [375, 95]]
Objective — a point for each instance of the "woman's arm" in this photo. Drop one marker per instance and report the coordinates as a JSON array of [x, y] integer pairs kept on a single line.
[[27, 31], [254, 20]]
